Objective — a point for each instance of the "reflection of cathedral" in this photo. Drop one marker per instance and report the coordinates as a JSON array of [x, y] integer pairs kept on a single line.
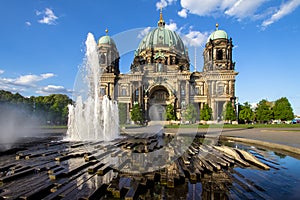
[[160, 73]]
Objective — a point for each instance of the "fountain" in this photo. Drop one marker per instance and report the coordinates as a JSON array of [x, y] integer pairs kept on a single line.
[[94, 117]]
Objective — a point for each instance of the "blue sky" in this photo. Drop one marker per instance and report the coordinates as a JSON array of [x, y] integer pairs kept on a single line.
[[42, 42]]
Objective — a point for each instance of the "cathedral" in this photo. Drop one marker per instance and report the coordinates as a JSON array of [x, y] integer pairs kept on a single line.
[[160, 74]]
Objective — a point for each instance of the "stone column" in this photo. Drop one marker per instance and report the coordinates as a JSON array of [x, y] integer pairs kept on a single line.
[[226, 88], [209, 92], [214, 109], [128, 112], [213, 88], [187, 93], [111, 85], [178, 89], [131, 94], [140, 94], [146, 107], [230, 87]]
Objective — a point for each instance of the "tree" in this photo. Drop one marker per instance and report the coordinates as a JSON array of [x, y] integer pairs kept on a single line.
[[136, 114], [263, 111], [229, 113], [170, 112], [190, 113], [51, 108], [122, 113], [246, 113], [283, 110], [205, 113]]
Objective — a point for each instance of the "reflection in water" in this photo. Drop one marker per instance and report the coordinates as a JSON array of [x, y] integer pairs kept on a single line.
[[72, 178], [215, 185]]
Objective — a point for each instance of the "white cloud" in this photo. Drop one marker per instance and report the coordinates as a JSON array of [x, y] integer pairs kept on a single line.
[[164, 3], [195, 38], [26, 80], [172, 26], [1, 71], [235, 8], [192, 38], [31, 82], [48, 17], [53, 89], [11, 89], [285, 9], [203, 7], [240, 9], [144, 32], [182, 13], [32, 79], [27, 23], [244, 8]]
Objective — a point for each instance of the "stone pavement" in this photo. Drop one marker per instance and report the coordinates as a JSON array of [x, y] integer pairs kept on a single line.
[[285, 136]]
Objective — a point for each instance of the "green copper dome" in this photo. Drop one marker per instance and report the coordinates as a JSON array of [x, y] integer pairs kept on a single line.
[[161, 37], [217, 34], [106, 40]]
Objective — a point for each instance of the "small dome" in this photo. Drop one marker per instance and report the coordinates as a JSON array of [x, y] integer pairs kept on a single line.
[[106, 40], [217, 34]]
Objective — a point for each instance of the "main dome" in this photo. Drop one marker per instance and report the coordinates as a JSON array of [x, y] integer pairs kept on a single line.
[[162, 37]]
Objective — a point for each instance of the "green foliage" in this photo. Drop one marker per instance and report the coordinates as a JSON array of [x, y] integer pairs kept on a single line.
[[136, 114], [229, 113], [170, 112], [122, 113], [190, 113], [263, 111], [246, 113], [52, 108], [206, 113], [283, 110]]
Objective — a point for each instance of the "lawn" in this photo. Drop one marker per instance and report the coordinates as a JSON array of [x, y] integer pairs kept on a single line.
[[236, 126]]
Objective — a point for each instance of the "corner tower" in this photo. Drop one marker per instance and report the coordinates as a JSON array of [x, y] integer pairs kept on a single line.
[[219, 72], [218, 52], [109, 64]]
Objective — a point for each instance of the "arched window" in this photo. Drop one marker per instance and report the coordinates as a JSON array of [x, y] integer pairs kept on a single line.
[[220, 89], [160, 67], [124, 93], [182, 90], [136, 95], [102, 58], [102, 91], [219, 54]]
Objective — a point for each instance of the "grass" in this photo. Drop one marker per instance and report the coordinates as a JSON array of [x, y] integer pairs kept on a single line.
[[54, 127], [245, 126]]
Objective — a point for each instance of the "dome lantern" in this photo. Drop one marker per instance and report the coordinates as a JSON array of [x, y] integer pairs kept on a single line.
[[161, 22]]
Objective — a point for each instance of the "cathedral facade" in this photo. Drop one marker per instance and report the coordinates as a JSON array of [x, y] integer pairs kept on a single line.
[[160, 74]]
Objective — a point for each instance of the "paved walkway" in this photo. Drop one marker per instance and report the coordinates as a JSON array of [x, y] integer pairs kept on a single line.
[[286, 136]]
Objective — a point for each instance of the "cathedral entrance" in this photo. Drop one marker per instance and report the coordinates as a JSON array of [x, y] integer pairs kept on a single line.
[[158, 99]]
